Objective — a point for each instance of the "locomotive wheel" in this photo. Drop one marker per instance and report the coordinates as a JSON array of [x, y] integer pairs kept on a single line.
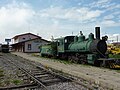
[[73, 59], [42, 55], [82, 62], [101, 64], [83, 59], [70, 58], [63, 56]]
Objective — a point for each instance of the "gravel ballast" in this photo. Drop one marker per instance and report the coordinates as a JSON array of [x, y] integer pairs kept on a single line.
[[101, 76]]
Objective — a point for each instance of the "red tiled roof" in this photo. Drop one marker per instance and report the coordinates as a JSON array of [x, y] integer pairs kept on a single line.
[[35, 39], [29, 40], [25, 34]]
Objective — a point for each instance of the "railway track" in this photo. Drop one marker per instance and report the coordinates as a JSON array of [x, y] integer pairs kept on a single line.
[[41, 77]]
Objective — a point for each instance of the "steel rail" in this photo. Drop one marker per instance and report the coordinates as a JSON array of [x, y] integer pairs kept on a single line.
[[18, 86], [52, 73], [30, 75], [68, 78]]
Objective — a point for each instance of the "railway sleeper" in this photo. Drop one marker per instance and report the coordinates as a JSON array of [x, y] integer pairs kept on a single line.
[[23, 75], [42, 76], [37, 69], [54, 74], [51, 81], [40, 73], [46, 78]]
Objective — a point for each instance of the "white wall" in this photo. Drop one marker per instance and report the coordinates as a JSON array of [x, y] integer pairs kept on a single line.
[[27, 37], [34, 45]]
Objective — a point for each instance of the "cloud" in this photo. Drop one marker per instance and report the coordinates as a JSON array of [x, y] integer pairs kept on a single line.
[[109, 17], [57, 21], [106, 5], [100, 4], [70, 13], [113, 6], [20, 17], [109, 23], [14, 17], [82, 15]]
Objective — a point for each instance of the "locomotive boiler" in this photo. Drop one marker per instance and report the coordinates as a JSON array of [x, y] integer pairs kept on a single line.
[[90, 45]]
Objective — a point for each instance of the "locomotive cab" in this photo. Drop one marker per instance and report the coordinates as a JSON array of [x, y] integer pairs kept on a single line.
[[63, 43]]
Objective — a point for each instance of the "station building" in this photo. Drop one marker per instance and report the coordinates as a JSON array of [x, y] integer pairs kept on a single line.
[[28, 43]]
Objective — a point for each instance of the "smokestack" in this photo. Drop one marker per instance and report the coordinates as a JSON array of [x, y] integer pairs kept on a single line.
[[97, 32]]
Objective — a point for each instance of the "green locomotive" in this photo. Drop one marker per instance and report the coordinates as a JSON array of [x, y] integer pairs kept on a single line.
[[49, 50], [79, 49]]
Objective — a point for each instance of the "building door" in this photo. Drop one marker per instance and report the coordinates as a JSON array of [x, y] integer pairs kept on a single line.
[[29, 47]]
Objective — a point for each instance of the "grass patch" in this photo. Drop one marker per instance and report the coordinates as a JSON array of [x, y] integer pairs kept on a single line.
[[1, 73], [7, 82], [16, 82], [35, 54], [53, 59], [64, 61], [117, 56], [118, 71], [60, 60]]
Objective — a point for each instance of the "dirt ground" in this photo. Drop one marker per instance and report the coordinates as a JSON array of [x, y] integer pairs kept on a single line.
[[102, 76]]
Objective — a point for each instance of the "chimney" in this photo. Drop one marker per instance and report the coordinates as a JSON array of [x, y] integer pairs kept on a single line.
[[97, 32]]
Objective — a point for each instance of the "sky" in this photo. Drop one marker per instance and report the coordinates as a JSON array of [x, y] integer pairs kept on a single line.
[[57, 18]]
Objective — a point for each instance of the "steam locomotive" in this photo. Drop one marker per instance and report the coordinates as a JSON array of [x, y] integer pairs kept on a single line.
[[79, 49]]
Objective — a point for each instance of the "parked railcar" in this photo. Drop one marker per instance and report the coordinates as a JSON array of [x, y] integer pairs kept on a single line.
[[79, 49], [5, 48]]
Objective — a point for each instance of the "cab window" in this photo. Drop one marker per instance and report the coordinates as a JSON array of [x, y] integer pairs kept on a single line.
[[65, 40]]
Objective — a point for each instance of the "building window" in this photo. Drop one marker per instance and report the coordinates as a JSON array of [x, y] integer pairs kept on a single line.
[[23, 38], [29, 46]]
